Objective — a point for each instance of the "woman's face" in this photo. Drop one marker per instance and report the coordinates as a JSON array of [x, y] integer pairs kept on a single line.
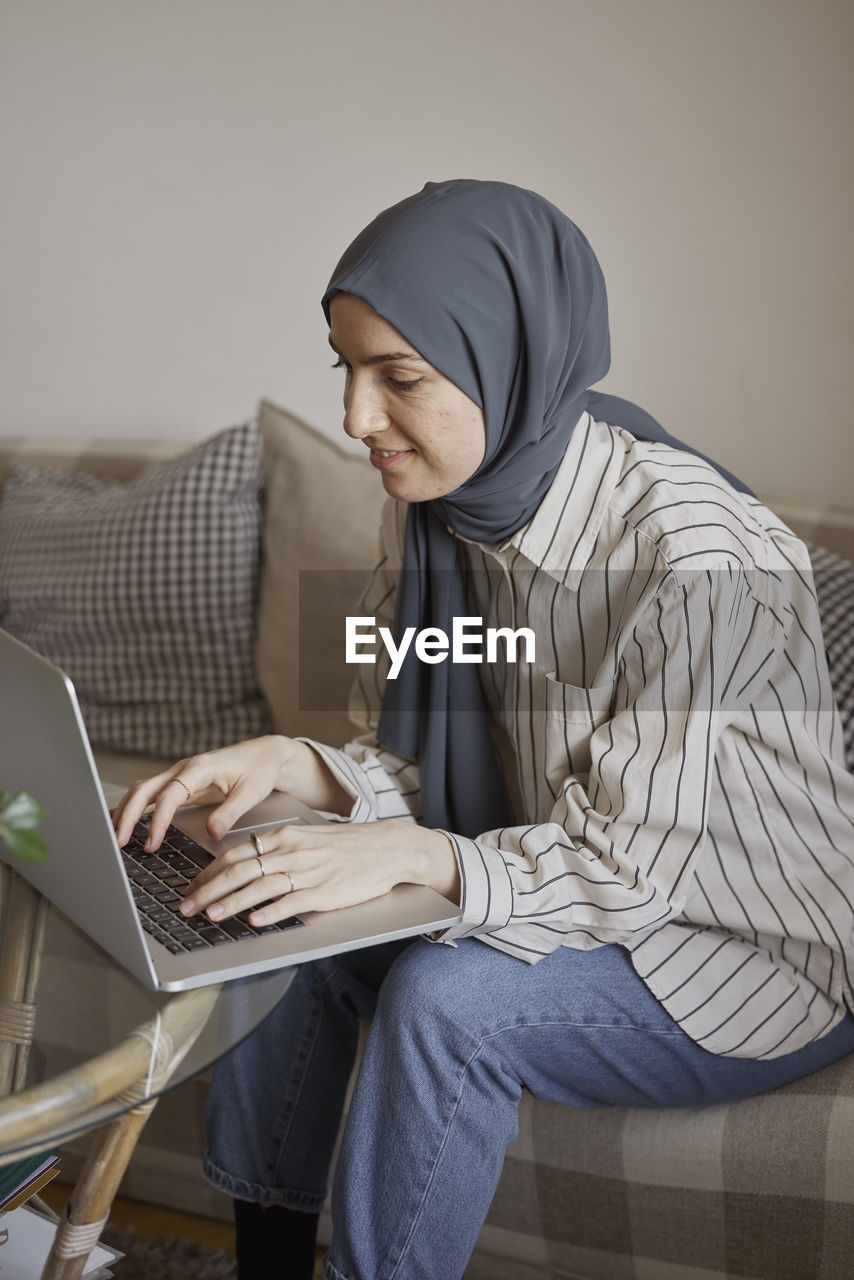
[[426, 437]]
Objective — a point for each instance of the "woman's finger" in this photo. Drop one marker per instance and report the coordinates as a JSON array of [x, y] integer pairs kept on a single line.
[[137, 800], [238, 887], [191, 782], [134, 799], [174, 793], [221, 864], [294, 902], [234, 778], [240, 878], [228, 874], [241, 797], [286, 848]]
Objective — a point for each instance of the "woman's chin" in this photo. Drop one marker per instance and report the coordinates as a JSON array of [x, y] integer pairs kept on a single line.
[[407, 488]]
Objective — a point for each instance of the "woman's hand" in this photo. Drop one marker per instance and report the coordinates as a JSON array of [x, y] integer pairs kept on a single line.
[[234, 779], [319, 868]]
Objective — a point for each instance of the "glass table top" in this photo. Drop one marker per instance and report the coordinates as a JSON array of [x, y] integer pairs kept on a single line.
[[88, 1006]]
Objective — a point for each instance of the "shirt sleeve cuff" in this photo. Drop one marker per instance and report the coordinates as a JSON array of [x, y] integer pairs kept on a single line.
[[352, 778], [487, 894]]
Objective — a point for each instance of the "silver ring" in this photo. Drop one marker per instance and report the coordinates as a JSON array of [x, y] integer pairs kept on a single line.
[[290, 877], [182, 783], [256, 840]]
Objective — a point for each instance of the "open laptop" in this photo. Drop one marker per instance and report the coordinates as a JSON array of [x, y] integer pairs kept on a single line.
[[44, 750]]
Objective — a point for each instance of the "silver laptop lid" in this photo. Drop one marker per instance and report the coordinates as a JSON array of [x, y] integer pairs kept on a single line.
[[44, 750]]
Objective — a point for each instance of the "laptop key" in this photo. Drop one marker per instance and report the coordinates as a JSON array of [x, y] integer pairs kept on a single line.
[[167, 896], [186, 868], [215, 936], [176, 839], [153, 864], [237, 929], [177, 929], [196, 923], [173, 858], [195, 853]]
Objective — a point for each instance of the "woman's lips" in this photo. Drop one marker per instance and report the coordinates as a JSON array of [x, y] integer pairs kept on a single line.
[[385, 460]]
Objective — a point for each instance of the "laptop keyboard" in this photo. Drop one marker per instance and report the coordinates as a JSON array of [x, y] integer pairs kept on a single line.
[[158, 883]]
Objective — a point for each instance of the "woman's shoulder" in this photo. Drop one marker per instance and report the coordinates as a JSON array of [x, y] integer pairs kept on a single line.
[[694, 517]]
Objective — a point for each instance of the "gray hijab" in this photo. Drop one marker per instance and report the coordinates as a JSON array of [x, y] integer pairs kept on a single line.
[[501, 293]]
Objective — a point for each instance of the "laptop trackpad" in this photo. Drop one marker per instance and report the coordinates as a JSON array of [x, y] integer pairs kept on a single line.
[[274, 811]]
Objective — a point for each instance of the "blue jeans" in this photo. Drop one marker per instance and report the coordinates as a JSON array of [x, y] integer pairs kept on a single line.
[[457, 1033]]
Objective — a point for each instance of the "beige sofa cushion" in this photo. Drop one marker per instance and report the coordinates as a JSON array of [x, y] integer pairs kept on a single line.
[[321, 517]]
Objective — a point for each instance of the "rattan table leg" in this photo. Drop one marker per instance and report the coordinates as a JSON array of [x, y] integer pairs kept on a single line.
[[24, 915], [94, 1191]]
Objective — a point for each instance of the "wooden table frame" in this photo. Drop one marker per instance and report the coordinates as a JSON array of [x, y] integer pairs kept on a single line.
[[112, 1094]]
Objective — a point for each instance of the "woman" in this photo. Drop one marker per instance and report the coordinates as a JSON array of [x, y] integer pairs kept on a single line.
[[649, 826]]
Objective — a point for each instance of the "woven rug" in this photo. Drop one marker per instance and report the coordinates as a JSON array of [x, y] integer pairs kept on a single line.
[[166, 1258]]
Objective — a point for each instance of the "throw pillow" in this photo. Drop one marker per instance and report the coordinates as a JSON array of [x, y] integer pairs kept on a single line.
[[144, 593], [834, 584], [322, 516]]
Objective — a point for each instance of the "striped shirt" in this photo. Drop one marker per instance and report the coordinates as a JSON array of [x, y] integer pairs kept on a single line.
[[673, 755]]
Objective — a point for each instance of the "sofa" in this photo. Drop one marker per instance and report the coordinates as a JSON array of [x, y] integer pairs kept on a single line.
[[170, 578]]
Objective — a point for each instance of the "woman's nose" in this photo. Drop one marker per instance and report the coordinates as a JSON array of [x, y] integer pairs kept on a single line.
[[363, 412]]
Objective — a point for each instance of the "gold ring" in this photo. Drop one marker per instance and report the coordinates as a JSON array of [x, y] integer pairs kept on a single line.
[[256, 840], [290, 877], [260, 862], [182, 783]]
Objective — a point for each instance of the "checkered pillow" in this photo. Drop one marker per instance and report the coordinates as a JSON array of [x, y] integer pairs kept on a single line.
[[834, 583], [144, 592]]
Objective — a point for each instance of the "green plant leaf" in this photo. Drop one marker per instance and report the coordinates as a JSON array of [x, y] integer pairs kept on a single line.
[[20, 812], [27, 845]]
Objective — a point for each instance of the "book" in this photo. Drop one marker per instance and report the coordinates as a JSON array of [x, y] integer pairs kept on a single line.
[[24, 1178]]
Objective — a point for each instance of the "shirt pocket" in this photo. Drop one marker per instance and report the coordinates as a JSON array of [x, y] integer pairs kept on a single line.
[[573, 714]]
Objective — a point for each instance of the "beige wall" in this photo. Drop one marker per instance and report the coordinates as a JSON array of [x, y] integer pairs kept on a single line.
[[180, 176]]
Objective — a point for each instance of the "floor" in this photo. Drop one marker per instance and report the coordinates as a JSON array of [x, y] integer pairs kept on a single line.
[[152, 1220]]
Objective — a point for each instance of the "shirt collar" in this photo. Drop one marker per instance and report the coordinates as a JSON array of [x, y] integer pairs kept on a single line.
[[562, 532], [560, 536]]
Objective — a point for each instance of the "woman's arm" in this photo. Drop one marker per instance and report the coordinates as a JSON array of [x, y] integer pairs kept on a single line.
[[617, 854]]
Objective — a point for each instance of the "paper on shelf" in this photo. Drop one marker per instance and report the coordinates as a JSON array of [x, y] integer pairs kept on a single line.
[[30, 1235]]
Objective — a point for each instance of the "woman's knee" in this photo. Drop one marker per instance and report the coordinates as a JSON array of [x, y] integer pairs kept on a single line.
[[430, 988]]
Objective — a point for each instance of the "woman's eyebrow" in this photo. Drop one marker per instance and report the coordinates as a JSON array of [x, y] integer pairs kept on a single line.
[[385, 358]]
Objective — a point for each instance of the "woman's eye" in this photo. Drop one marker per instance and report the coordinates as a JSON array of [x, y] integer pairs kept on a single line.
[[399, 384]]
